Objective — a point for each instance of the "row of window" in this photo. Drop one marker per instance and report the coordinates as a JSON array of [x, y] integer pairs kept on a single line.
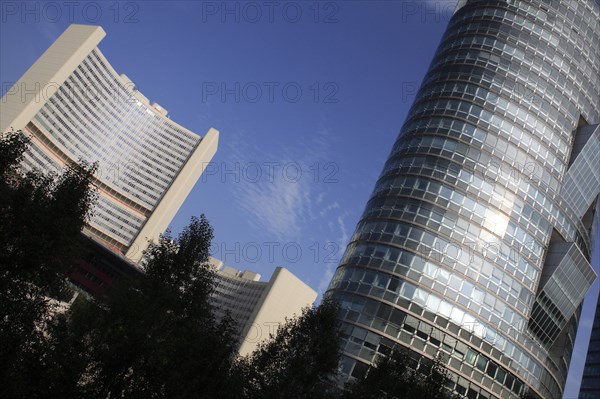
[[530, 145], [574, 47], [496, 222], [113, 149], [532, 97], [174, 138], [49, 116], [420, 335], [501, 147], [126, 222], [184, 138], [543, 60], [396, 324], [583, 178], [460, 256], [83, 70], [507, 176], [570, 27], [544, 203], [103, 214], [469, 295], [447, 308], [479, 189]]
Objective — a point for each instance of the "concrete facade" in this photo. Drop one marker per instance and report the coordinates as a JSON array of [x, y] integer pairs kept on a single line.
[[258, 307], [74, 105]]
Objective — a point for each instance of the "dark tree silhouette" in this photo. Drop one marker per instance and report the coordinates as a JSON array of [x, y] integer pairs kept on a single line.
[[155, 337], [41, 217], [300, 361]]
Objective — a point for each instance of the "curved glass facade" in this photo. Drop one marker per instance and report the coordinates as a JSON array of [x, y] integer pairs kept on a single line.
[[475, 241]]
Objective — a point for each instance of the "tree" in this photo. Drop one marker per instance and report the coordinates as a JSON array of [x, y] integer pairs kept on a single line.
[[401, 376], [299, 361], [41, 217], [151, 337], [12, 147], [155, 337]]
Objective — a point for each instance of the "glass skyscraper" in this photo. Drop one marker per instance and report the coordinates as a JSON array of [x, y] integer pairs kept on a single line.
[[475, 242]]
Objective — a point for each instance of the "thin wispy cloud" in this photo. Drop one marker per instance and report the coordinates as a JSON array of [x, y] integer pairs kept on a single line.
[[328, 208], [279, 207], [285, 199], [291, 208]]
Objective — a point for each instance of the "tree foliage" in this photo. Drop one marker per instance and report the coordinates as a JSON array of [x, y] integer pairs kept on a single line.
[[12, 147], [299, 361], [151, 337], [41, 217], [155, 336]]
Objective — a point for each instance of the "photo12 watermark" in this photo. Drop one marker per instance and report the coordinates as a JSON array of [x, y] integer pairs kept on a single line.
[[37, 92], [270, 92], [290, 252], [126, 12], [117, 173], [271, 172], [270, 12], [427, 11]]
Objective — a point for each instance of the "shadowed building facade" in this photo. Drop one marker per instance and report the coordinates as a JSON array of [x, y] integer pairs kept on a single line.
[[590, 383], [258, 307], [74, 105], [475, 243]]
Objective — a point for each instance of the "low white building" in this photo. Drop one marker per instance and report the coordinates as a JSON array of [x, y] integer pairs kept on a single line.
[[258, 307]]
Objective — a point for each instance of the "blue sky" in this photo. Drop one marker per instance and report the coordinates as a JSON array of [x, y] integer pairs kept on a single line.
[[308, 97]]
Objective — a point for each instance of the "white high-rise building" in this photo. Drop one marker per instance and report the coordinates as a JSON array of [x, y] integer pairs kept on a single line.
[[74, 105]]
